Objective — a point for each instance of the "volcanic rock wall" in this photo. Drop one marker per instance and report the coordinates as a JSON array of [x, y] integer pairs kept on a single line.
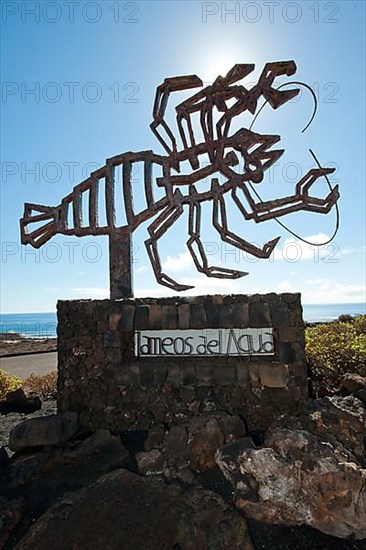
[[115, 375]]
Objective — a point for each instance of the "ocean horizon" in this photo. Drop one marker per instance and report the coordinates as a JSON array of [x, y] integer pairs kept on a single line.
[[44, 325]]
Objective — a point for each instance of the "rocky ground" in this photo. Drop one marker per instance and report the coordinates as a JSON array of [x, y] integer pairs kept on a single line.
[[205, 484], [15, 344]]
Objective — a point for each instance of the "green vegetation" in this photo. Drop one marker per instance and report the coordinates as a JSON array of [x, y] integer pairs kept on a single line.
[[335, 348], [8, 384]]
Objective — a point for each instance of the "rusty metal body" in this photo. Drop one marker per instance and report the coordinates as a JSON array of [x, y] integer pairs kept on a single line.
[[238, 159]]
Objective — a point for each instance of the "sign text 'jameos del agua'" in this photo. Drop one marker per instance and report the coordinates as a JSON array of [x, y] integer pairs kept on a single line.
[[128, 362], [233, 341]]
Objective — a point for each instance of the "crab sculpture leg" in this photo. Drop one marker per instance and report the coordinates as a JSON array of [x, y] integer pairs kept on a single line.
[[156, 230], [219, 220], [197, 249], [159, 126]]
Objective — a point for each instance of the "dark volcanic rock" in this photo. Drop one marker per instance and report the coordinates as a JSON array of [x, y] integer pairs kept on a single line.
[[64, 468], [48, 430], [189, 446], [123, 510], [150, 462], [20, 401], [11, 513], [40, 487], [10, 420], [175, 442], [3, 457], [204, 445], [233, 427], [353, 382], [42, 477], [154, 439]]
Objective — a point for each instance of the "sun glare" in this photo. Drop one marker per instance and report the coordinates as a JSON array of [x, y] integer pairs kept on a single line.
[[220, 64]]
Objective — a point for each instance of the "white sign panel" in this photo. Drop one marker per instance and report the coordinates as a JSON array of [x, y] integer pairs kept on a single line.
[[203, 342]]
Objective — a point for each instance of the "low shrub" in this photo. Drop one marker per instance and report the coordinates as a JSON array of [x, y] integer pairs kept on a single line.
[[8, 383], [332, 349], [44, 385]]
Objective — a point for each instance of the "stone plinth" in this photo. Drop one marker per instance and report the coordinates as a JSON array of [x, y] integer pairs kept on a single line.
[[106, 378]]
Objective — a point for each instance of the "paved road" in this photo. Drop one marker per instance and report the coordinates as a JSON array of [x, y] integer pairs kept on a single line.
[[24, 365]]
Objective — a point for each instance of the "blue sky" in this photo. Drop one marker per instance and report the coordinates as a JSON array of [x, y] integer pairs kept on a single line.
[[78, 83]]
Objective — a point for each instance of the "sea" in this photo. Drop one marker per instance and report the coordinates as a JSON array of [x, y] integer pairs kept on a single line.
[[44, 325]]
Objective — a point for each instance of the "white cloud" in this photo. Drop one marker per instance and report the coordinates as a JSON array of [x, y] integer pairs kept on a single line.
[[327, 291], [346, 251], [295, 250], [324, 291], [178, 263], [202, 285]]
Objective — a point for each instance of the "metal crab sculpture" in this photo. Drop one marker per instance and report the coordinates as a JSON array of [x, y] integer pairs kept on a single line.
[[239, 159]]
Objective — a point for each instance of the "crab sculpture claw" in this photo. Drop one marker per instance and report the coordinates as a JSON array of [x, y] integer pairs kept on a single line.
[[313, 203]]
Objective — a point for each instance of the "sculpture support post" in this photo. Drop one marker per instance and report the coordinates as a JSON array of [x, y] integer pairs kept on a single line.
[[120, 265]]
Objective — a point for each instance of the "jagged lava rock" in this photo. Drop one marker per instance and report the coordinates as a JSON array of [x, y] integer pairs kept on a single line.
[[342, 419], [296, 479], [339, 421]]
